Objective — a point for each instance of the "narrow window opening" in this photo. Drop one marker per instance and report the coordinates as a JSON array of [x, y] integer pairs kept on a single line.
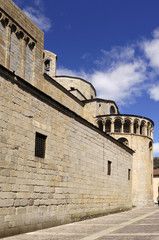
[[112, 110], [40, 142], [47, 66], [129, 174], [109, 167], [100, 125]]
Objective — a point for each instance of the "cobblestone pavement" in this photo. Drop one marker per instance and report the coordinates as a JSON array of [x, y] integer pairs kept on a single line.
[[137, 224]]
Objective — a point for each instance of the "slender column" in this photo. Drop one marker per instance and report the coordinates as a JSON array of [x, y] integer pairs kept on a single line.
[[145, 129], [112, 126], [138, 128], [148, 131], [131, 127], [122, 126], [8, 45], [23, 54], [104, 122]]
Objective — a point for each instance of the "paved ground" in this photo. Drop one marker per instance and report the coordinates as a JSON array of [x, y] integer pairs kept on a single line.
[[137, 224]]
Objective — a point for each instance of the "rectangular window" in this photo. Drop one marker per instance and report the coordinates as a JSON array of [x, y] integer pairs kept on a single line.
[[109, 167], [129, 174], [40, 141]]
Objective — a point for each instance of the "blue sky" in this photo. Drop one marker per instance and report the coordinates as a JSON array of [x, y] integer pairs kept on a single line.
[[114, 44]]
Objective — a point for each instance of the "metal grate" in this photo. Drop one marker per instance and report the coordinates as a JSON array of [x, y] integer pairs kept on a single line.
[[40, 141]]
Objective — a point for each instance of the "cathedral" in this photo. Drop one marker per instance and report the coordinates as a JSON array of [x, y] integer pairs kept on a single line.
[[66, 155]]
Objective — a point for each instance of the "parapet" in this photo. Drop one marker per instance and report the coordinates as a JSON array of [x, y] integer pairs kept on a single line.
[[126, 124]]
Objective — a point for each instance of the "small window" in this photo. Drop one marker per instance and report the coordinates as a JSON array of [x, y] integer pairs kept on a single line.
[[109, 167], [112, 110], [47, 66], [129, 174], [40, 141]]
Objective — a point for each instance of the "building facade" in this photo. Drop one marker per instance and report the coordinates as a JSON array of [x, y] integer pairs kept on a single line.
[[65, 154]]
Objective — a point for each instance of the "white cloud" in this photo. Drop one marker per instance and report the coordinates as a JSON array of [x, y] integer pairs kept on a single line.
[[156, 148], [121, 83], [123, 73], [154, 92], [156, 33], [151, 49], [38, 18]]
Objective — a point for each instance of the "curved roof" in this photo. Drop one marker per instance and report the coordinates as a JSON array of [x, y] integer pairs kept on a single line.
[[81, 79], [101, 100]]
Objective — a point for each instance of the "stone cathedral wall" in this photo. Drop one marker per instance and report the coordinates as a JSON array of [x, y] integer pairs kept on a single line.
[[21, 43], [71, 182]]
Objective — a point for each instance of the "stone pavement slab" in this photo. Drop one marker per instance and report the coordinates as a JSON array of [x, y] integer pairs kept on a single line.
[[137, 224]]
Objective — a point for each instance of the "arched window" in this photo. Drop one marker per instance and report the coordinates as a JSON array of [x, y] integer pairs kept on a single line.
[[108, 125], [124, 141], [142, 127], [100, 125], [136, 125], [117, 125], [127, 126], [112, 110], [47, 66]]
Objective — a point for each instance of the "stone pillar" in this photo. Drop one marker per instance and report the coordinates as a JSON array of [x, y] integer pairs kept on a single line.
[[8, 43], [131, 127], [122, 126], [23, 53], [138, 128], [112, 126], [103, 122]]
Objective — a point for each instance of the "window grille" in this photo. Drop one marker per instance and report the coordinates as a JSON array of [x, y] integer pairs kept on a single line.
[[40, 141]]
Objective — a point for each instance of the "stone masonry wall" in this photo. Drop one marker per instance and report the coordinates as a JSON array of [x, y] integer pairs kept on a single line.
[[142, 185], [21, 43], [71, 182]]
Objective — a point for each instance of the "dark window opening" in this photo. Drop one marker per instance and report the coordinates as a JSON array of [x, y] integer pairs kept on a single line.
[[108, 126], [124, 141], [117, 125], [100, 125], [135, 126], [72, 88], [40, 142], [109, 167], [112, 110], [127, 126], [129, 174], [47, 66]]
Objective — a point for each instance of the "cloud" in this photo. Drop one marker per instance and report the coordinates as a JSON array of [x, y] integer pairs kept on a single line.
[[119, 75], [156, 148], [38, 18], [123, 73], [154, 92], [122, 83], [151, 49]]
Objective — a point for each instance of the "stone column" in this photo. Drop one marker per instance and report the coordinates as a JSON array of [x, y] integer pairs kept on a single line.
[[23, 54], [131, 127], [122, 126], [112, 126], [138, 128], [103, 122], [8, 45]]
